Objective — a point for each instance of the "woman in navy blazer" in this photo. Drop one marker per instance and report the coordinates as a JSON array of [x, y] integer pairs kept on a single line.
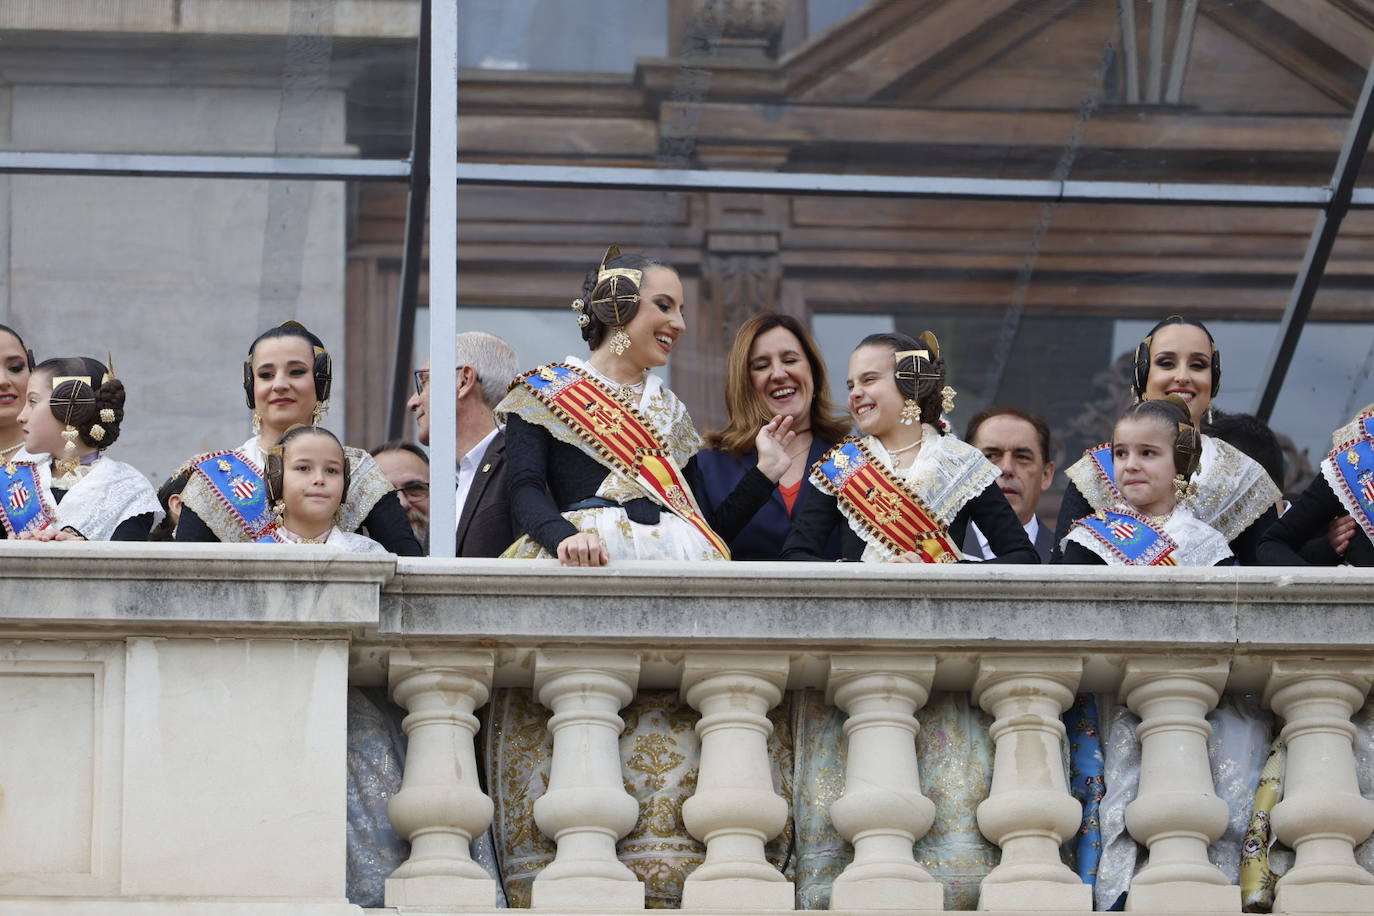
[[774, 369]]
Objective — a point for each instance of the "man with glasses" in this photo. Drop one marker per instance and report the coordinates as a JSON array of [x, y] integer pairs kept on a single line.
[[406, 465], [486, 366]]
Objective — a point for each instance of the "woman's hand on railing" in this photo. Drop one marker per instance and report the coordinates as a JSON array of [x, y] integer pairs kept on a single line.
[[583, 549]]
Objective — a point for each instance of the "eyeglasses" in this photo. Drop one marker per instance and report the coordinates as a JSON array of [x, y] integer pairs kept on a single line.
[[414, 488], [422, 378]]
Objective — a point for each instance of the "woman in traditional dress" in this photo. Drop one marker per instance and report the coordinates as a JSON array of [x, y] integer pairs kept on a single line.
[[906, 490], [1234, 494], [1345, 487], [16, 361], [773, 370], [286, 381], [601, 466], [601, 453], [65, 489], [1155, 453]]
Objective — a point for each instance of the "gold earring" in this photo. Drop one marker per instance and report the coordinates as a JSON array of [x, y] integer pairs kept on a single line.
[[911, 412], [947, 399], [1184, 489], [68, 462], [316, 415], [257, 423], [620, 342], [1209, 414]]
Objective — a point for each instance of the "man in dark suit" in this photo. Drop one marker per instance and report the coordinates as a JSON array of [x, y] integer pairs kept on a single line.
[[486, 366], [1019, 444]]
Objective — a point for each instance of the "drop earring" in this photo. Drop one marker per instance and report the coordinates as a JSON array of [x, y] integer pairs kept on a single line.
[[68, 462], [947, 399], [1184, 489], [257, 423], [316, 415], [620, 342], [911, 412]]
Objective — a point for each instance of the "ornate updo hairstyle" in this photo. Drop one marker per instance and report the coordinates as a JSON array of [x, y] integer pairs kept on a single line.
[[919, 371], [1172, 411], [610, 293], [85, 396], [276, 461], [1142, 356]]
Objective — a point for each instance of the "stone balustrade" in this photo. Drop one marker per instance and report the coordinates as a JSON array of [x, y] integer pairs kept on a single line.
[[172, 721]]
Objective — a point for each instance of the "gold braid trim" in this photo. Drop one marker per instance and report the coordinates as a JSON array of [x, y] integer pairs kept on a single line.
[[1085, 475]]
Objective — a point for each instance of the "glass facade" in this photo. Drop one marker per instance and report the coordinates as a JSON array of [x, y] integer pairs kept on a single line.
[[1036, 287]]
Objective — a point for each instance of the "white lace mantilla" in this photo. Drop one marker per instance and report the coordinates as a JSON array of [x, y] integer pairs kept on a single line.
[[110, 493], [1199, 544], [1232, 489], [946, 474], [366, 485], [342, 540]]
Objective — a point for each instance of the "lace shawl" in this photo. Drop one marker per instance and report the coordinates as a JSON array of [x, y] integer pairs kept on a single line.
[[1232, 489], [110, 493], [666, 416]]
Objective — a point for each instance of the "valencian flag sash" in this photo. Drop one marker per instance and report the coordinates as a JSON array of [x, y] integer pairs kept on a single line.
[[888, 509], [25, 507], [621, 437], [1130, 537], [239, 488], [1350, 471], [1101, 457]]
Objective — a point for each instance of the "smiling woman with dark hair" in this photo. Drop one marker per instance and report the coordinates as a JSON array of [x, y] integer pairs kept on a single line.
[[287, 378]]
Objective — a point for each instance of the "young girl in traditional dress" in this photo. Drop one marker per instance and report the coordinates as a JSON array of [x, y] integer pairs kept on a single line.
[[1155, 453], [1345, 487], [65, 489], [286, 381], [307, 477], [1234, 494], [905, 491]]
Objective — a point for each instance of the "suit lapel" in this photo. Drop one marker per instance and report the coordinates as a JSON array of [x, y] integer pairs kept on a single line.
[[491, 461]]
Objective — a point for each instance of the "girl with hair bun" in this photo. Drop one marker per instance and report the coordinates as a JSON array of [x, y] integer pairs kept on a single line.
[[906, 491], [16, 362], [73, 410], [1235, 495], [287, 378], [1155, 453]]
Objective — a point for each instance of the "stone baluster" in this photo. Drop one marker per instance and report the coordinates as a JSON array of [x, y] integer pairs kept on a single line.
[[735, 810], [1176, 812], [1029, 812], [1322, 815], [586, 808], [440, 806], [882, 811]]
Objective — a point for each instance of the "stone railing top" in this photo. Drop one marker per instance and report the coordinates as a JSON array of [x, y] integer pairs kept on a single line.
[[159, 585], [806, 606]]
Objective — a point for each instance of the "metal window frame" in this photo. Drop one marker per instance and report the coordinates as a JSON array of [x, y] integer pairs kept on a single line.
[[433, 175]]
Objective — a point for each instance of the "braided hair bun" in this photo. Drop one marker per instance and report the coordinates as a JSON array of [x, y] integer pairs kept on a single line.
[[88, 397], [610, 293]]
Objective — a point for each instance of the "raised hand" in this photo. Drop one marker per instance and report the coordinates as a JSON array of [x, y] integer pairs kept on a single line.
[[772, 441]]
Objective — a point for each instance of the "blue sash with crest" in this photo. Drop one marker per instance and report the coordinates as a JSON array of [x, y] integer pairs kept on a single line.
[[25, 507], [1130, 537], [240, 488], [1352, 467]]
